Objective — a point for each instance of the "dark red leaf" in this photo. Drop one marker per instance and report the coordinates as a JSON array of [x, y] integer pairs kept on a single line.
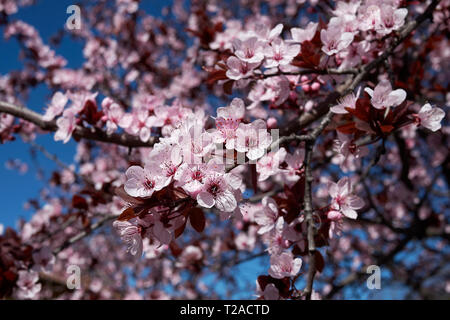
[[126, 197], [228, 87], [79, 203], [175, 249], [197, 219], [127, 214], [320, 262], [180, 230]]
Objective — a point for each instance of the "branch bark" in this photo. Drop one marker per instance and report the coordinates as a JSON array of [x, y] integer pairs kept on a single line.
[[123, 139]]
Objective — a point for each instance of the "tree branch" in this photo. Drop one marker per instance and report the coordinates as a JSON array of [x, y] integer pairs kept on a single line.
[[123, 139]]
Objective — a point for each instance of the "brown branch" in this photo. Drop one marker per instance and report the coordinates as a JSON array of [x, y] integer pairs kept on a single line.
[[83, 233], [123, 139], [311, 71]]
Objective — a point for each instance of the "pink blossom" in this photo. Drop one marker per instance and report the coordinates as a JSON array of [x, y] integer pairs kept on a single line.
[[370, 18], [334, 40], [300, 35], [253, 139], [56, 107], [275, 238], [269, 164], [278, 53], [249, 50], [246, 240], [348, 101], [383, 96], [169, 159], [27, 284], [142, 182], [236, 110], [44, 259], [194, 142], [267, 216], [343, 201], [346, 8], [130, 232], [346, 148], [295, 163], [192, 177], [218, 191], [275, 89], [158, 228], [284, 265], [136, 123], [113, 115], [268, 35], [271, 292], [431, 117], [227, 122], [391, 19], [66, 125], [190, 255], [238, 69]]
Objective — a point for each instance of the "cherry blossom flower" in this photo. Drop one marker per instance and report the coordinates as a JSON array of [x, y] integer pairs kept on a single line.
[[136, 123], [269, 164], [284, 265], [253, 139], [56, 107], [113, 115], [391, 19], [334, 40], [238, 69], [249, 50], [169, 158], [194, 142], [236, 110], [348, 101], [192, 177], [267, 216], [275, 89], [430, 117], [275, 238], [343, 201], [157, 227], [268, 35], [218, 191], [246, 240], [295, 163], [370, 18], [278, 53], [300, 35], [270, 292], [142, 182], [346, 8], [382, 96], [190, 255], [347, 150], [44, 259], [27, 284], [130, 233], [227, 122], [66, 125]]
